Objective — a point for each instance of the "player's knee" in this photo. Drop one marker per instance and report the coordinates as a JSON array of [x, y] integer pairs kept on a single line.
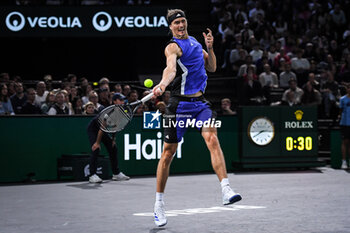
[[168, 152], [211, 139]]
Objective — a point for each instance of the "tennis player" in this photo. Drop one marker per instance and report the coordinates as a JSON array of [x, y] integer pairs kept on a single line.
[[185, 75]]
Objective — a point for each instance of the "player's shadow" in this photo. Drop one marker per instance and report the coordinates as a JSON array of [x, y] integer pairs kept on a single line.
[[86, 185], [158, 229]]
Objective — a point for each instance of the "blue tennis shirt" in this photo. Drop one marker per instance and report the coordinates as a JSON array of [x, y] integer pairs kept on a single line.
[[191, 76]]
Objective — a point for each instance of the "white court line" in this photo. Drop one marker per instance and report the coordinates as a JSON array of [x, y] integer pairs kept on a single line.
[[214, 209]]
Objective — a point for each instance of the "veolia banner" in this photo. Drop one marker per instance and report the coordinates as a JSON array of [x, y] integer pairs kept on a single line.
[[83, 21]]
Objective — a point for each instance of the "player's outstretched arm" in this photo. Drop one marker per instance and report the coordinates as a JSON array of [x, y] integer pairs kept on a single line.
[[172, 51], [209, 57]]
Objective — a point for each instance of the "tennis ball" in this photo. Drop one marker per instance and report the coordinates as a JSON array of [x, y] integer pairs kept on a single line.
[[148, 83], [95, 83]]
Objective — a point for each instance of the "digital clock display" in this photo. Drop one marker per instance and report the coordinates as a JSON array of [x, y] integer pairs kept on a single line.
[[299, 143]]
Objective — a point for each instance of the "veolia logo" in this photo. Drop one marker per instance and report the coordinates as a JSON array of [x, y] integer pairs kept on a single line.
[[99, 22], [15, 21]]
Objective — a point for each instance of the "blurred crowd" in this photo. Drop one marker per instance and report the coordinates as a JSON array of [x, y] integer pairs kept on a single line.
[[298, 49], [71, 97]]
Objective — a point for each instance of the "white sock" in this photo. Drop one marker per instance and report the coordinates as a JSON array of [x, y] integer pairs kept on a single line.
[[159, 196], [224, 183]]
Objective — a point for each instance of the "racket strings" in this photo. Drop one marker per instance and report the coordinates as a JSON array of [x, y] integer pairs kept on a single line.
[[115, 119]]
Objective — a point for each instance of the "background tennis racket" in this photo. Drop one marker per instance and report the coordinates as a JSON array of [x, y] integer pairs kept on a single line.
[[115, 117]]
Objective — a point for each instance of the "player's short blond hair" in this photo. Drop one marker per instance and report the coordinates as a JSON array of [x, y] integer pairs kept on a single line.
[[172, 12]]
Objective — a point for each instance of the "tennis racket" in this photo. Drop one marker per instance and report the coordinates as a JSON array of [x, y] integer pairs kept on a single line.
[[115, 117]]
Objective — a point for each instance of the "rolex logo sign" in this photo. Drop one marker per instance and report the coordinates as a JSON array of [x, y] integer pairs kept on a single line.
[[299, 115], [298, 124]]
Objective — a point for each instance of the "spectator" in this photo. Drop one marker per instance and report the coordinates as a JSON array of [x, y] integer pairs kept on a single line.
[[253, 13], [19, 98], [260, 63], [41, 93], [331, 64], [59, 108], [73, 93], [118, 88], [313, 67], [335, 50], [267, 39], [338, 16], [67, 87], [103, 97], [240, 13], [5, 103], [67, 102], [48, 81], [330, 94], [30, 107], [93, 97], [234, 54], [282, 54], [344, 72], [11, 88], [300, 64], [226, 107], [133, 96], [252, 90], [50, 101], [310, 97], [243, 68], [250, 72], [77, 105], [126, 90], [84, 82], [89, 108], [268, 81], [290, 100], [313, 81], [309, 52], [272, 54], [72, 79], [85, 93], [4, 78], [301, 67], [280, 25], [287, 75], [238, 63], [103, 80], [294, 88], [256, 53]]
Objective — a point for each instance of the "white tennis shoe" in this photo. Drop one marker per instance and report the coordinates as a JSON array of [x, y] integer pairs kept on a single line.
[[121, 176], [95, 179], [344, 165], [159, 214], [229, 196]]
